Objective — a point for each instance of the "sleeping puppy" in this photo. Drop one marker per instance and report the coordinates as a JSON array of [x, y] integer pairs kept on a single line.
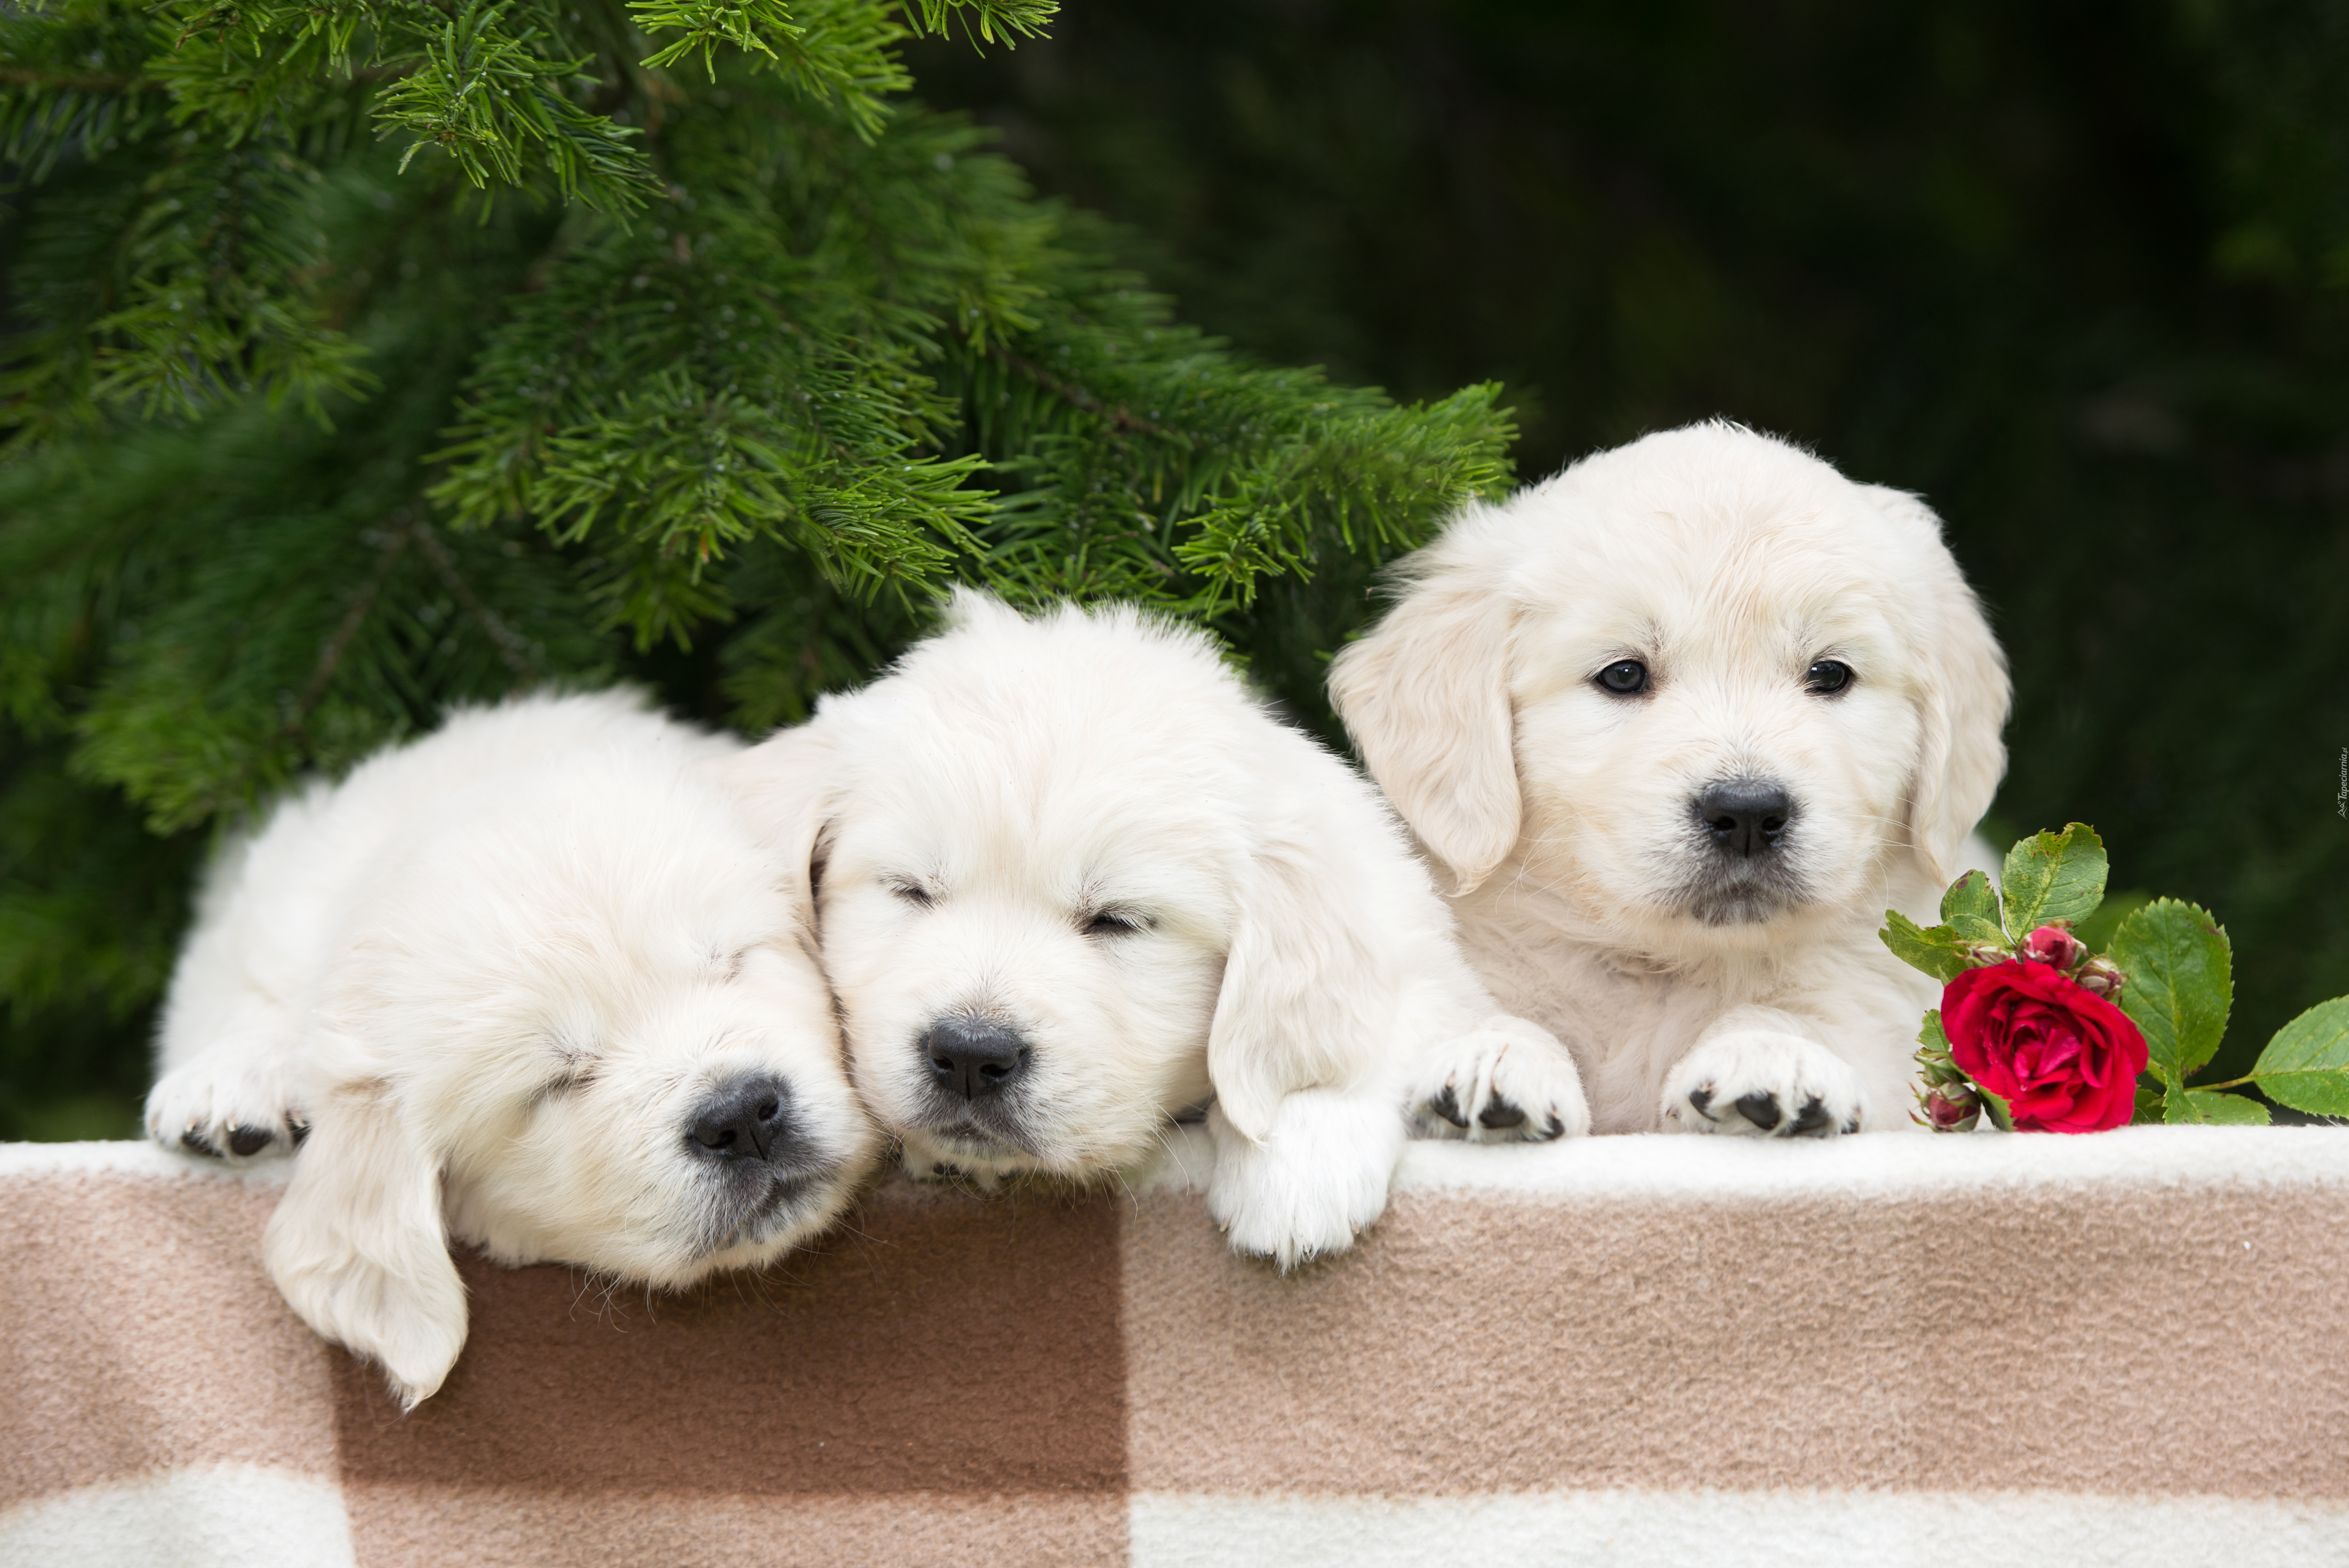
[[1071, 881], [1679, 724], [529, 983]]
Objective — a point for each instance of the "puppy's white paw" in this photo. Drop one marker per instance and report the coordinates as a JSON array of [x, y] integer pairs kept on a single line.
[[1317, 1179], [1508, 1081], [230, 1105], [1758, 1084]]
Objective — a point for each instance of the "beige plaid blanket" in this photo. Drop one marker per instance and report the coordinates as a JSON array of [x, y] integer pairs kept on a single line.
[[2128, 1348]]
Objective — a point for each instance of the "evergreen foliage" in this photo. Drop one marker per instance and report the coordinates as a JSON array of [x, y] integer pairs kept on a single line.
[[363, 357]]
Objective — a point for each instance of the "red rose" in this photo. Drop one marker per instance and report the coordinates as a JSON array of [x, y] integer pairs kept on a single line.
[[2062, 1057]]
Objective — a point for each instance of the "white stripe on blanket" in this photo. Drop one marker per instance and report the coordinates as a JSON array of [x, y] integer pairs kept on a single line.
[[137, 1157], [1643, 1166], [210, 1516], [1635, 1529], [1654, 1166]]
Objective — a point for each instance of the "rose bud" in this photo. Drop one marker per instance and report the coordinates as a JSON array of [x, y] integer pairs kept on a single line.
[[1952, 1108], [2053, 944], [2102, 979]]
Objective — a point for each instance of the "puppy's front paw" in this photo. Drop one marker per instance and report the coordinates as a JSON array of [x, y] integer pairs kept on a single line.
[[1756, 1084], [1507, 1082], [227, 1108], [1315, 1182]]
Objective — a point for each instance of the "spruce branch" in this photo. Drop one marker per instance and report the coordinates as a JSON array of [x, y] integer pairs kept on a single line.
[[983, 21], [490, 96], [514, 650], [338, 642], [837, 52], [73, 83]]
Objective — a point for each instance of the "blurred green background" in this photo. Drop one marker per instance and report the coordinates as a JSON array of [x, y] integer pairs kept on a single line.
[[2077, 273]]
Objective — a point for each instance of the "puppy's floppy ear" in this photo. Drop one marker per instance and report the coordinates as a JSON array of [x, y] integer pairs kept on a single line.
[[357, 1246], [1963, 695], [1302, 1004], [785, 785], [1425, 696], [1335, 919]]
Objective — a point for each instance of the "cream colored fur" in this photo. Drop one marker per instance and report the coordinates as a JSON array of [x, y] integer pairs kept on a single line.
[[492, 975], [1262, 934], [1562, 815]]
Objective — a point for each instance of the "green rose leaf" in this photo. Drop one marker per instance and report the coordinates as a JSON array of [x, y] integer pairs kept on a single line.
[[1974, 928], [2215, 1108], [1972, 900], [2053, 876], [1936, 949], [2181, 985], [1931, 1036], [2001, 1117], [2150, 1103], [2307, 1065]]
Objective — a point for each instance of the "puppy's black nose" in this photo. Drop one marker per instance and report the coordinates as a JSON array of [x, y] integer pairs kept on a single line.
[[745, 1118], [973, 1057], [1745, 817]]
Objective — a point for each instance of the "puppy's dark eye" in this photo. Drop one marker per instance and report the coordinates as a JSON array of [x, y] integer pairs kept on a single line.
[[1627, 677], [1111, 922], [913, 892], [1827, 678]]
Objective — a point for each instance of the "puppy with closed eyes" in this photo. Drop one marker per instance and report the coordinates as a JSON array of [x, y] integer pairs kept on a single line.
[[1071, 880], [531, 983], [1679, 725]]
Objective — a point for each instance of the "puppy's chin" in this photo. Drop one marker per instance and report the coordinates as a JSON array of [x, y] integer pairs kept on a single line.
[[743, 1220], [771, 1214], [1745, 902], [968, 1152], [964, 1151]]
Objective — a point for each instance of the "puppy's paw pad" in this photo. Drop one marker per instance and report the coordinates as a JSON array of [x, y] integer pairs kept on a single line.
[[1763, 1086], [1498, 1086], [1502, 1113], [1443, 1105]]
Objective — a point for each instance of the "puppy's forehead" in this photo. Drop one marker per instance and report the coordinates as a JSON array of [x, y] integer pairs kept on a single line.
[[1061, 783], [1111, 813], [1696, 564]]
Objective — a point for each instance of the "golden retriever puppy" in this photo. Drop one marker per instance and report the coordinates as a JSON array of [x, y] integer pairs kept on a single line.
[[1679, 724], [531, 983], [1071, 881]]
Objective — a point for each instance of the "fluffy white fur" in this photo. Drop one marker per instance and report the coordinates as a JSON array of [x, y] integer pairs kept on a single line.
[[1081, 834], [1588, 891], [488, 982]]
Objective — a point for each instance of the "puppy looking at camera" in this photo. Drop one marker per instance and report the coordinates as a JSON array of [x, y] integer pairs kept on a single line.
[[1072, 879], [1679, 724], [531, 983]]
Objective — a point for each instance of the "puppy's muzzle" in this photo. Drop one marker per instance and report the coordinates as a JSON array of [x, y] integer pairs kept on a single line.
[[971, 1059], [759, 1160], [1743, 873], [1745, 819]]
